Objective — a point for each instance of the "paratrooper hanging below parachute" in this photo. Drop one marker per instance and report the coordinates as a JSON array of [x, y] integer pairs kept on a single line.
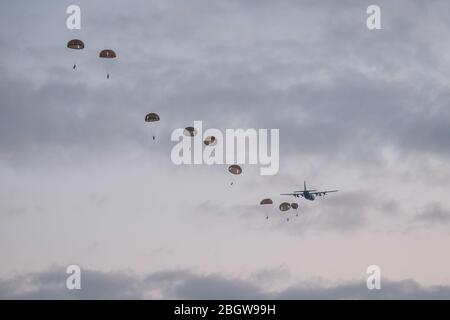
[[75, 44], [107, 54], [152, 117]]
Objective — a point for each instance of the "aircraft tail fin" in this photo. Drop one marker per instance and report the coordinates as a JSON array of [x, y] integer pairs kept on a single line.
[[304, 185]]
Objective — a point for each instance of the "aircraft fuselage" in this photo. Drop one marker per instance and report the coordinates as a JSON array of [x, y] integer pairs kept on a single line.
[[309, 196], [306, 195]]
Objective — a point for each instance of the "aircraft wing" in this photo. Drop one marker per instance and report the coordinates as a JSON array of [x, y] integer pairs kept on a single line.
[[292, 194], [322, 193]]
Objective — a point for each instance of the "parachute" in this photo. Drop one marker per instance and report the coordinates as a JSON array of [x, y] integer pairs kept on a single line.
[[285, 206], [235, 169], [152, 117], [210, 141], [266, 201], [189, 131], [75, 44], [107, 54], [295, 207]]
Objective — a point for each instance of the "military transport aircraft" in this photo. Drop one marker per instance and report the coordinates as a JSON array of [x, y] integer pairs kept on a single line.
[[308, 194]]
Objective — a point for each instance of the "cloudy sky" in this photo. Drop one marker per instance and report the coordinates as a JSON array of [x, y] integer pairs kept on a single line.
[[82, 181]]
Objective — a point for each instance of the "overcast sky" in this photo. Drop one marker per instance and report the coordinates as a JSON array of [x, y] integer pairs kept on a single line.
[[82, 181]]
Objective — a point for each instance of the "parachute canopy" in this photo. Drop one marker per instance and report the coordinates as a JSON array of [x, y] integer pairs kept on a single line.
[[235, 169], [151, 117], [189, 131], [294, 206], [266, 201], [107, 53], [210, 141], [75, 44], [285, 206]]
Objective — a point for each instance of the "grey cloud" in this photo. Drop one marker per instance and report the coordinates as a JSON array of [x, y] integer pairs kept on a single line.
[[403, 290], [187, 285], [433, 214], [184, 284], [17, 211], [52, 285], [307, 87], [344, 213], [21, 211]]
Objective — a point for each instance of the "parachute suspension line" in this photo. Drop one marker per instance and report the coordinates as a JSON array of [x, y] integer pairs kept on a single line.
[[152, 117], [107, 54], [266, 202], [75, 44], [234, 169]]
